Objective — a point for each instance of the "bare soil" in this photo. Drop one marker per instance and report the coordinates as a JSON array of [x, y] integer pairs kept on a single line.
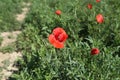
[[21, 17], [7, 59]]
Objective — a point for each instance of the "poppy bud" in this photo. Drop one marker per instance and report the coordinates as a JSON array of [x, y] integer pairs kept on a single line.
[[99, 18], [58, 12], [89, 6], [97, 0], [95, 51]]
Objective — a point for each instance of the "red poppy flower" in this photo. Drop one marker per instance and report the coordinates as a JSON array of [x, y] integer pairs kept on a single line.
[[95, 51], [58, 37], [99, 18], [89, 6], [97, 0], [58, 12]]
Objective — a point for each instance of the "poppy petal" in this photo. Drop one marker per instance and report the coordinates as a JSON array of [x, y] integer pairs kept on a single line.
[[51, 38], [63, 37], [58, 44], [58, 31], [55, 42]]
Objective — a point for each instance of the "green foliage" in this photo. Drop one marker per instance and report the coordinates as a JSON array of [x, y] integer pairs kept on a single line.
[[1, 39], [6, 63], [41, 61], [8, 10], [8, 49]]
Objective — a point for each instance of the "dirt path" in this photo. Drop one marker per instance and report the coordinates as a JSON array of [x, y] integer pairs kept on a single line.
[[20, 17], [7, 59]]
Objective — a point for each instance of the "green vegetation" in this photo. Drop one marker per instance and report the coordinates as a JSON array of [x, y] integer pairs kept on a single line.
[[41, 61], [6, 63], [9, 48], [8, 11], [1, 39]]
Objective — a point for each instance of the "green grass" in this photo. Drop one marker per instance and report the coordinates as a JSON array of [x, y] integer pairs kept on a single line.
[[41, 61], [9, 48], [1, 39], [8, 11]]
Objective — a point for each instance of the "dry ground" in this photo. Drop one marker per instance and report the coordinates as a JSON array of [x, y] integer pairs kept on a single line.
[[7, 59]]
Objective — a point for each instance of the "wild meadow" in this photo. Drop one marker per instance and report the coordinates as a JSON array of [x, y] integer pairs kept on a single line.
[[70, 40]]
